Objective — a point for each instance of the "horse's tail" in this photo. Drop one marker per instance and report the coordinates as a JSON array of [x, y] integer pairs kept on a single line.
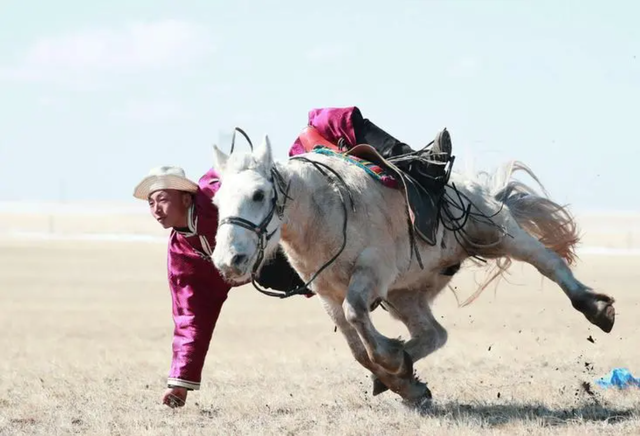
[[538, 215]]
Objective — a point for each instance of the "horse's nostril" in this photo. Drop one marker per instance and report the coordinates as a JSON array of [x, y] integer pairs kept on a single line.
[[238, 260]]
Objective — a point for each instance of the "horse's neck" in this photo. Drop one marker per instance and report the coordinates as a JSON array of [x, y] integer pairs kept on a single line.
[[303, 224]]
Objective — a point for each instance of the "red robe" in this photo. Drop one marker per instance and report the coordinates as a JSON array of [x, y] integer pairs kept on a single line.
[[197, 290]]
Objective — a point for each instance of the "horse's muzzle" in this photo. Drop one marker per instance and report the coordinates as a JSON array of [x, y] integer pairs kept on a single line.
[[235, 268]]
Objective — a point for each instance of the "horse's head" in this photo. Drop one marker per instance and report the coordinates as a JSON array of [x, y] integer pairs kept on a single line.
[[247, 201]]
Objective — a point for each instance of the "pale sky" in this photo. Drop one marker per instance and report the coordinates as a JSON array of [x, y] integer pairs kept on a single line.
[[94, 94]]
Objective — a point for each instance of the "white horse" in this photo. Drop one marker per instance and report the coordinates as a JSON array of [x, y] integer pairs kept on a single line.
[[255, 215]]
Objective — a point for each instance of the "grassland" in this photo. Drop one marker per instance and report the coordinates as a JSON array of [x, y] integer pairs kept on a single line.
[[86, 336]]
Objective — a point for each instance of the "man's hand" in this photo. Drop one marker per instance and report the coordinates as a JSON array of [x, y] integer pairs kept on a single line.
[[175, 397]]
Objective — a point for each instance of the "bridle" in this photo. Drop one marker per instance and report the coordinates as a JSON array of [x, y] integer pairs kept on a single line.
[[261, 229]]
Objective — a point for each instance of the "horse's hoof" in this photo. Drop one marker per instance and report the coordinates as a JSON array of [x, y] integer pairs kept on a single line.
[[421, 402], [425, 402], [605, 316], [378, 386], [599, 310], [427, 396]]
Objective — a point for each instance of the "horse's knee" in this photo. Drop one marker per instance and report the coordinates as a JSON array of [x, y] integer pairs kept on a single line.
[[350, 314], [355, 310]]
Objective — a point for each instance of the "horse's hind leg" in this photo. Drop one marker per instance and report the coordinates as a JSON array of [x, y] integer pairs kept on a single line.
[[597, 308]]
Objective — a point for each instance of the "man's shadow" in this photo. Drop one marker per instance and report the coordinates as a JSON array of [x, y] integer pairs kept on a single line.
[[494, 415]]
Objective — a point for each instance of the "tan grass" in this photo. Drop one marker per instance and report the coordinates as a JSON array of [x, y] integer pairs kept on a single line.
[[86, 343]]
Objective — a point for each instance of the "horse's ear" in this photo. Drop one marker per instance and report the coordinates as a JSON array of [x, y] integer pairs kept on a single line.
[[263, 155], [219, 160]]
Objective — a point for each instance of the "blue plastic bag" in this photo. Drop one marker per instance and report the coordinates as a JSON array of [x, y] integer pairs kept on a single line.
[[619, 378]]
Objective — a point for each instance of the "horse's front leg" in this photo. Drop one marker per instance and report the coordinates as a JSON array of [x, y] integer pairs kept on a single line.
[[334, 309], [413, 309], [367, 282]]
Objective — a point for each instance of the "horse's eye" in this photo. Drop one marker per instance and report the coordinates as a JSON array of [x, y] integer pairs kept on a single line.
[[258, 196]]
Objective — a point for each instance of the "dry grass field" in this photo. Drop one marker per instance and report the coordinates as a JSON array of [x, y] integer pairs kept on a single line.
[[86, 345]]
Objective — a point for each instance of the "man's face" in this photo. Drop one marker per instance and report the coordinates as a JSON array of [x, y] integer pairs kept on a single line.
[[170, 207]]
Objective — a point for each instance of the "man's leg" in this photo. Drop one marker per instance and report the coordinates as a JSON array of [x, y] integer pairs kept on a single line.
[[429, 171], [368, 133]]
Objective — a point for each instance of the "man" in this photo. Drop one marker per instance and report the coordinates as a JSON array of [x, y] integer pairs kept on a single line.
[[197, 289], [198, 292]]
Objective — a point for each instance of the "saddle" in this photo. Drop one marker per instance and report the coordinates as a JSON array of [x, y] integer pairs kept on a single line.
[[421, 177]]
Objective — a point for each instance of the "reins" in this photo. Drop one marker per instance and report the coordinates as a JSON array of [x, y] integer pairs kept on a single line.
[[233, 138]]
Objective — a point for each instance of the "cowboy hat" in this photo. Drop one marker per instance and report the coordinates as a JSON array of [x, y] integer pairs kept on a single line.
[[164, 177]]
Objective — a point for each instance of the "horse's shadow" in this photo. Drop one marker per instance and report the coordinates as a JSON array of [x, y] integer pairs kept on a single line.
[[493, 415]]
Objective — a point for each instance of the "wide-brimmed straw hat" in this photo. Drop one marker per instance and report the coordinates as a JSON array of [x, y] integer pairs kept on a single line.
[[164, 177]]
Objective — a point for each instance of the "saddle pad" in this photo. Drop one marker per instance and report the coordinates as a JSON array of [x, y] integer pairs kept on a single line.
[[375, 171]]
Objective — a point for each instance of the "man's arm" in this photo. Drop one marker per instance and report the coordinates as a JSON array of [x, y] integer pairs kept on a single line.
[[198, 293]]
